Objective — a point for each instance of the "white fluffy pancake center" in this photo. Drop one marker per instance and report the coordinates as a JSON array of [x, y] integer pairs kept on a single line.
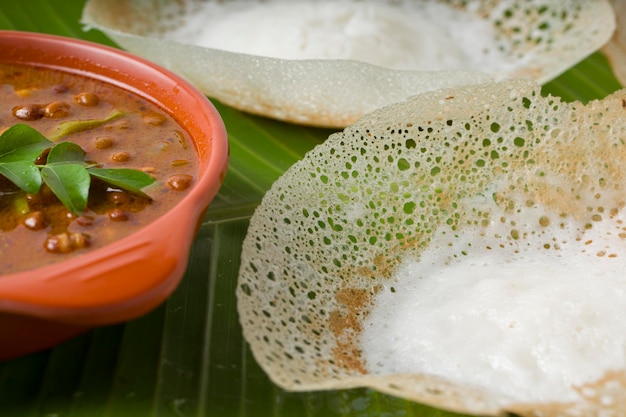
[[401, 36], [532, 325]]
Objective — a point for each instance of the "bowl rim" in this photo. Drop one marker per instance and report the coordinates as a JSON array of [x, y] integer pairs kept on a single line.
[[117, 67]]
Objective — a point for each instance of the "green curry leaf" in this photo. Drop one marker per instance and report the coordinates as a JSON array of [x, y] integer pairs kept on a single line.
[[66, 175], [66, 153], [70, 183], [24, 174], [127, 179], [20, 145], [21, 142]]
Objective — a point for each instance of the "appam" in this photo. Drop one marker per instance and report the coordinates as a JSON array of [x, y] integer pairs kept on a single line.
[[327, 63], [463, 249], [615, 49]]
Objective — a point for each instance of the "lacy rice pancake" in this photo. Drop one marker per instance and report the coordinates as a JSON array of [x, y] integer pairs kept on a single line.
[[615, 50], [463, 249], [327, 63]]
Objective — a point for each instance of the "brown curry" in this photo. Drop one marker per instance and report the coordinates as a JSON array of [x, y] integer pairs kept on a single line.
[[37, 229]]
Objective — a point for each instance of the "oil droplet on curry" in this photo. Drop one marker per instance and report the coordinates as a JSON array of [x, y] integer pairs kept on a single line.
[[37, 229]]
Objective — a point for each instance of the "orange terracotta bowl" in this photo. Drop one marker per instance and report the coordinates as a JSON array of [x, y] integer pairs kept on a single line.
[[124, 280]]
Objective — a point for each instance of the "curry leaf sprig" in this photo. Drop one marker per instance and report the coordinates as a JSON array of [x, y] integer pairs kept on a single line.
[[64, 169]]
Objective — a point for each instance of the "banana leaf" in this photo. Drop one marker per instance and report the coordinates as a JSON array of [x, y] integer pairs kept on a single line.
[[188, 357]]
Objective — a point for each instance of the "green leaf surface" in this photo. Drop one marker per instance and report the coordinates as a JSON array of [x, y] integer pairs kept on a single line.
[[70, 183], [66, 153], [188, 357], [126, 179], [20, 145], [21, 142], [24, 174]]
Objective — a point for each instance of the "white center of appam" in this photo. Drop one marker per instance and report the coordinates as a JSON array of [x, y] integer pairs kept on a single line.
[[531, 324], [406, 36]]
